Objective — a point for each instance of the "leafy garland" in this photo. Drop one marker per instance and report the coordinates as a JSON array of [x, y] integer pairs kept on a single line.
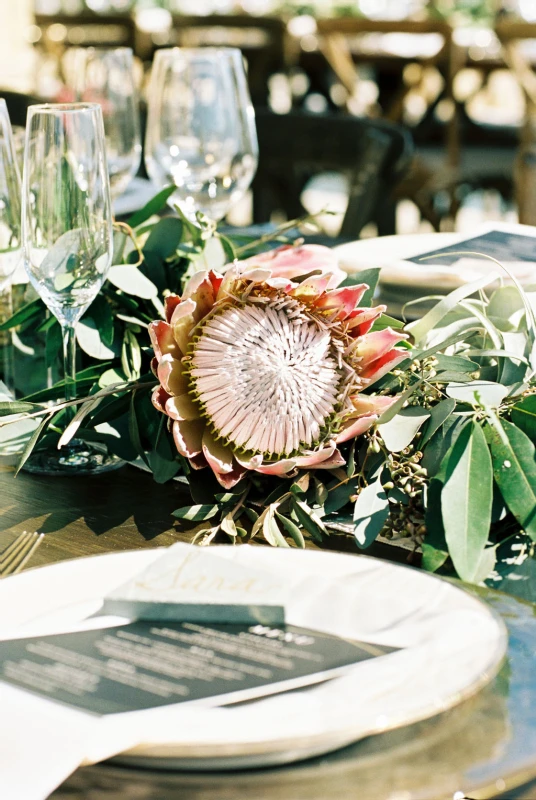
[[450, 468]]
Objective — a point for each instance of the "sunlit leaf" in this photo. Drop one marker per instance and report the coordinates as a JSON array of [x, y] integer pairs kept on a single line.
[[399, 432], [370, 513], [466, 500], [196, 513]]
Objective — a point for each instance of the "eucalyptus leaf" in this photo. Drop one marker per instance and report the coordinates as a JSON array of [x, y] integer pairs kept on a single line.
[[32, 441], [400, 431], [91, 342], [398, 405], [27, 313], [196, 513], [420, 328], [270, 529], [524, 416], [339, 496], [455, 364], [466, 501], [101, 313], [370, 513], [292, 529], [438, 414], [228, 526], [131, 280], [309, 520], [481, 393], [154, 206], [8, 407], [514, 469], [165, 237]]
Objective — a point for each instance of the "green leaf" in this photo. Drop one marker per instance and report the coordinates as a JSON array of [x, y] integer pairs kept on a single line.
[[398, 405], [165, 237], [130, 355], [339, 497], [385, 321], [514, 469], [432, 558], [368, 276], [309, 520], [131, 280], [32, 441], [292, 529], [481, 393], [399, 432], [228, 247], [455, 364], [101, 312], [505, 307], [134, 431], [438, 415], [228, 526], [28, 312], [154, 206], [466, 501], [196, 513], [441, 442], [8, 407], [524, 416], [370, 513], [420, 328], [53, 344], [90, 340], [270, 529]]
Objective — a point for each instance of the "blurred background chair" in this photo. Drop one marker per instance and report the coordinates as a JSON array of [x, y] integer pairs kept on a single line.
[[373, 155]]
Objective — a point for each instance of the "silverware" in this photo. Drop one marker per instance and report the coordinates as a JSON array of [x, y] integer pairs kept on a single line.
[[19, 552]]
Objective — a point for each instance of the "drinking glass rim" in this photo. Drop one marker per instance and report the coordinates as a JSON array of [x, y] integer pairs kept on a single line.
[[64, 108], [198, 50]]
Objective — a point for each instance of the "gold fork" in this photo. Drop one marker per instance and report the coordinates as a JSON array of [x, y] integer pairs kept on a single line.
[[19, 552]]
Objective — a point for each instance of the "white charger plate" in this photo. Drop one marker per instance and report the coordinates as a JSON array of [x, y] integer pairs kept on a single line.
[[453, 644]]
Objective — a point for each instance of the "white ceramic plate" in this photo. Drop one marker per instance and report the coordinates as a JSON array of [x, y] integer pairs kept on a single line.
[[405, 277], [452, 646]]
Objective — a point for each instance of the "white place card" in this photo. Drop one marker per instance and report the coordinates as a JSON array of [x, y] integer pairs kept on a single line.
[[191, 584]]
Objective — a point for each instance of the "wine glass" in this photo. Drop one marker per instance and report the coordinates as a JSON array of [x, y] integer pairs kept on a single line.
[[67, 239], [201, 128], [107, 77], [10, 238]]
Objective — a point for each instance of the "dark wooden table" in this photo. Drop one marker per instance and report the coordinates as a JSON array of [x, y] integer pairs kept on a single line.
[[125, 510]]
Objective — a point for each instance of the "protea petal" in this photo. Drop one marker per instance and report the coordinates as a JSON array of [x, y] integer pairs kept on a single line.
[[361, 320], [170, 373], [314, 459], [200, 289], [344, 300], [335, 461], [371, 404], [162, 339], [280, 468], [220, 459], [170, 304], [381, 366], [182, 323], [249, 462], [355, 427], [188, 436], [374, 345], [182, 407], [159, 398], [290, 262]]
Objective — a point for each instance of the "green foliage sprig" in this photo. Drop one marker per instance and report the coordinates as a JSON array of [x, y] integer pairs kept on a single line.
[[450, 468]]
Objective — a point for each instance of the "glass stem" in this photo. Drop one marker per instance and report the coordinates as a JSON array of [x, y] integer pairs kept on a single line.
[[69, 368]]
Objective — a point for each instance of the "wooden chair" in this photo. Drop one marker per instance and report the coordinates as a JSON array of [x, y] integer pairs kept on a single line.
[[262, 40], [295, 146]]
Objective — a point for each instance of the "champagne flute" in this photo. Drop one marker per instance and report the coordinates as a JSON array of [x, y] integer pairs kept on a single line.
[[107, 77], [201, 128], [67, 239], [10, 238]]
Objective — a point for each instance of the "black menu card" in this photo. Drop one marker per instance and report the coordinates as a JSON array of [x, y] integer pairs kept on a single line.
[[143, 665]]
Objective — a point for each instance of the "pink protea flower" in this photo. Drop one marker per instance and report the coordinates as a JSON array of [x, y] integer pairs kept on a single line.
[[262, 368]]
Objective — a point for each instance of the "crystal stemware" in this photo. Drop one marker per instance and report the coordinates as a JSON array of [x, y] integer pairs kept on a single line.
[[67, 240], [107, 77], [10, 239], [201, 128]]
